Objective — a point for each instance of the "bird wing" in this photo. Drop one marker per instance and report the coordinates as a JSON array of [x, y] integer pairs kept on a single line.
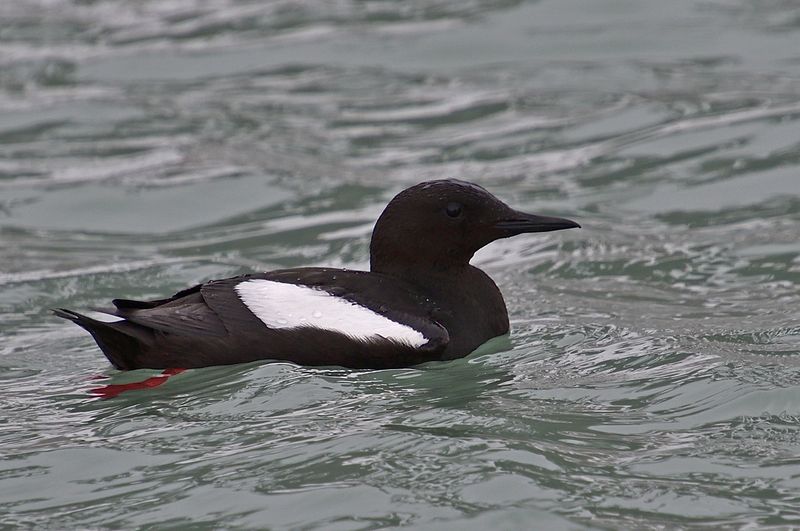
[[185, 313], [383, 295], [215, 309]]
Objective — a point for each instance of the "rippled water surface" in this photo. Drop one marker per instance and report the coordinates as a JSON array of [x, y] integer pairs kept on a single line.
[[652, 378]]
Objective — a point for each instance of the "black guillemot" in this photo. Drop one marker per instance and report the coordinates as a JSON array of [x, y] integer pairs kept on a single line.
[[420, 301]]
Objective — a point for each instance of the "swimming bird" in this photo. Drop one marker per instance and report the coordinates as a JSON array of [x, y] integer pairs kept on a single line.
[[420, 301]]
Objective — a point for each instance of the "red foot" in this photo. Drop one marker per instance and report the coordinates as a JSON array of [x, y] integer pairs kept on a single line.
[[110, 391]]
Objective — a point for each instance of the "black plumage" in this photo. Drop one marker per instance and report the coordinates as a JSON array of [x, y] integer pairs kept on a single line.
[[419, 276]]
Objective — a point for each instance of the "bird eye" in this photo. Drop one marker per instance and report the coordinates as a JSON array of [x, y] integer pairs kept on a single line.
[[453, 209]]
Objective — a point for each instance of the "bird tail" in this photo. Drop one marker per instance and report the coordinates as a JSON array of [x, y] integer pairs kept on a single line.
[[118, 340]]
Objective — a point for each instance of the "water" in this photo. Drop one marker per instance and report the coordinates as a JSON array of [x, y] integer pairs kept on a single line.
[[651, 379]]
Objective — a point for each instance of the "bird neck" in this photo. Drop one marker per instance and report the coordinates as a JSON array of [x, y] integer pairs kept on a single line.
[[418, 271], [452, 281]]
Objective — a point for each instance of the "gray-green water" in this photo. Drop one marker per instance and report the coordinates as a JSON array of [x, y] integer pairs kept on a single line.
[[652, 379]]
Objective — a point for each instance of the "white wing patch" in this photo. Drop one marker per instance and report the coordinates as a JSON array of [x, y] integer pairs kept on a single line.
[[282, 305], [104, 317]]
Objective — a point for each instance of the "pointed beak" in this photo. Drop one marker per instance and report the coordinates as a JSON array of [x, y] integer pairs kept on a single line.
[[520, 222]]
